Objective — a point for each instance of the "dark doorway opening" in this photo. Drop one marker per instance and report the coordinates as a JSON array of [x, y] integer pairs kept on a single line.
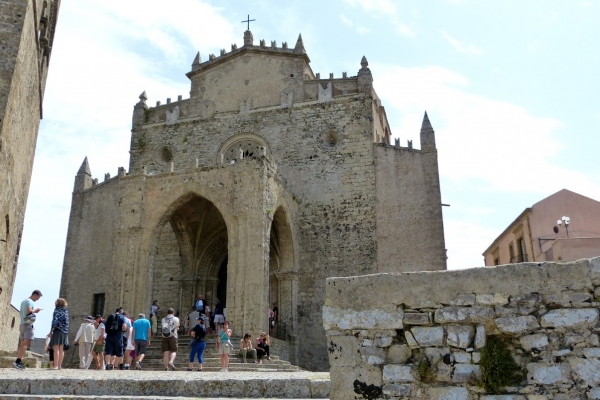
[[222, 286]]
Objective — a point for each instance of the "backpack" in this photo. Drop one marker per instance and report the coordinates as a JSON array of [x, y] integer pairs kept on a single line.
[[168, 326], [112, 324]]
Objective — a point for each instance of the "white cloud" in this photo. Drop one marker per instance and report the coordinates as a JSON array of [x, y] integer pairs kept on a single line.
[[496, 142], [383, 8], [465, 241], [346, 20], [486, 148], [360, 29], [460, 46], [103, 57], [200, 26], [379, 6], [404, 29]]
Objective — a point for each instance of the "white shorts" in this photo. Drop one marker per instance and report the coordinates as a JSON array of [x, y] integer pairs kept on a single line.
[[26, 332], [225, 348], [219, 319]]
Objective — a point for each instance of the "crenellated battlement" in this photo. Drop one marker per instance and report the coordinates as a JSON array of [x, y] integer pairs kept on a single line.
[[224, 55], [253, 77], [84, 182], [397, 146]]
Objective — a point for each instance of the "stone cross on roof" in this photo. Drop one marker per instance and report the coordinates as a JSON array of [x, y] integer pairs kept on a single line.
[[248, 21]]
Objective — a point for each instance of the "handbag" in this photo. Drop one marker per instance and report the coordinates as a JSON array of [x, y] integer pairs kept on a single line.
[[192, 342]]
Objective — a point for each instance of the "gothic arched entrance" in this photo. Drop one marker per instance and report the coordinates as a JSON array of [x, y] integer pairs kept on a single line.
[[282, 276], [190, 255]]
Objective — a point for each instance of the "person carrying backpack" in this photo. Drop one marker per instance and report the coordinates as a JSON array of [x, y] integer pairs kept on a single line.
[[169, 328], [115, 326]]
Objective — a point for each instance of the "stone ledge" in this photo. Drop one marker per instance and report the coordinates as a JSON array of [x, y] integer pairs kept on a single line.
[[92, 397], [458, 286], [161, 384]]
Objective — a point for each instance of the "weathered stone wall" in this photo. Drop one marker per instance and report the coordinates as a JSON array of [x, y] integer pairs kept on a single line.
[[281, 348], [115, 231], [333, 184], [264, 88], [266, 102], [381, 328], [410, 231], [10, 333], [167, 272], [24, 54]]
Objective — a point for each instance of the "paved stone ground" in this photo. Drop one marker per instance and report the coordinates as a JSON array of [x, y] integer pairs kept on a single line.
[[160, 385], [36, 397]]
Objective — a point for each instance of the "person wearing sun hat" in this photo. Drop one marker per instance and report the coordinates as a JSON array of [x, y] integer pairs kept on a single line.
[[87, 334]]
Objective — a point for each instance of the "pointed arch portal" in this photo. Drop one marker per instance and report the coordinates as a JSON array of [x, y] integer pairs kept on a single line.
[[191, 255], [282, 276]]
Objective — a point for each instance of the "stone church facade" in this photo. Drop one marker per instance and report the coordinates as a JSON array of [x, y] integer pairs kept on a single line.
[[26, 38], [266, 181]]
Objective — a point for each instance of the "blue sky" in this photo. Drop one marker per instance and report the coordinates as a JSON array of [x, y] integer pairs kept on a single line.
[[510, 87]]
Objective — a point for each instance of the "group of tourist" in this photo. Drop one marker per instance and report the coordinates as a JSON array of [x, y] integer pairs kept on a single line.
[[118, 341], [259, 350], [213, 321]]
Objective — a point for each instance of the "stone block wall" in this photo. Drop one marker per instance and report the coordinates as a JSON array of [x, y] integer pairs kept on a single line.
[[281, 348], [333, 185], [422, 335], [9, 339], [409, 215], [26, 35]]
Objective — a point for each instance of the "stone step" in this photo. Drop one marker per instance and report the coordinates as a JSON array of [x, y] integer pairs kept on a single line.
[[185, 353], [232, 366], [29, 361], [88, 384], [184, 363], [94, 397], [185, 357]]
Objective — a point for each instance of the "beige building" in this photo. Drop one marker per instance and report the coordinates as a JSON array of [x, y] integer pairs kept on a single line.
[[535, 234], [266, 181], [26, 36]]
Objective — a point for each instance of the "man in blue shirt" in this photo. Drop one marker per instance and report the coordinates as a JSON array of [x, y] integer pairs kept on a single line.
[[142, 332], [26, 328]]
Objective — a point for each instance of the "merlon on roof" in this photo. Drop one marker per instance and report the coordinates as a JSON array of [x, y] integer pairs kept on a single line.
[[298, 51]]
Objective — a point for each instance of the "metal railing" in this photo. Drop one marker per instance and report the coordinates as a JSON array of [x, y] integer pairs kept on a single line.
[[279, 331]]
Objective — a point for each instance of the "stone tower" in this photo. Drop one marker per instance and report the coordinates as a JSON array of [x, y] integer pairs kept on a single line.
[[267, 180], [26, 36]]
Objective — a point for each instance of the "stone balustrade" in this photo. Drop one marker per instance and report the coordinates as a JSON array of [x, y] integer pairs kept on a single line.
[[422, 335]]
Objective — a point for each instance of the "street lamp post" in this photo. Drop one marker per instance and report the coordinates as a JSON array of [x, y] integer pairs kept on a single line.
[[566, 221]]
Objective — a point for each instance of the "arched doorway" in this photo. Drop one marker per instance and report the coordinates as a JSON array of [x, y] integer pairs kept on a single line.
[[190, 254], [282, 276], [222, 284]]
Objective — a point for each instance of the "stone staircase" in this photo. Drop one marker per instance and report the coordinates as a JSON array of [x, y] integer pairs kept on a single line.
[[212, 362], [31, 360]]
